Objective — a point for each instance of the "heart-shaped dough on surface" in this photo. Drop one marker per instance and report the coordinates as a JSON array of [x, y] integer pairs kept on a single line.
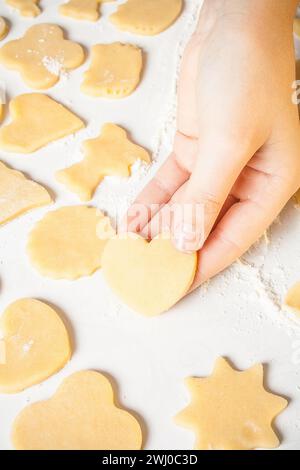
[[147, 17], [149, 277], [81, 415], [35, 345]]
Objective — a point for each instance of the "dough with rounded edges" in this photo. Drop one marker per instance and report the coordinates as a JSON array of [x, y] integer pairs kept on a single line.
[[37, 120], [29, 8], [114, 72], [41, 55], [82, 415], [82, 9], [148, 277], [3, 28], [68, 242], [110, 154], [231, 410], [292, 299], [147, 17], [19, 194], [36, 344]]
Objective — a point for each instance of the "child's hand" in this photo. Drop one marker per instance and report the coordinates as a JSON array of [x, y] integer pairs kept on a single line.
[[237, 148]]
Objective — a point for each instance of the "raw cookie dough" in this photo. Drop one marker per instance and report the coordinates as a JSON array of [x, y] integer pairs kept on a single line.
[[231, 410], [37, 120], [110, 154], [28, 8], [36, 345], [82, 415], [19, 194], [149, 277], [82, 9], [3, 28], [297, 27], [41, 55], [114, 72], [68, 242], [148, 17], [292, 299]]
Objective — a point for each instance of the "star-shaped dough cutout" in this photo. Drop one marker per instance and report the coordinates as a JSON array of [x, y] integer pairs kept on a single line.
[[28, 8], [82, 9], [42, 55], [110, 154], [231, 410]]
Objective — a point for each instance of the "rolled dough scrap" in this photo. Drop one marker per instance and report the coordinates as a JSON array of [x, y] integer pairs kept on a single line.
[[82, 9], [82, 415], [41, 55], [114, 72], [292, 299], [148, 17], [231, 410], [36, 344], [36, 121], [3, 28], [68, 242], [149, 277], [19, 194], [297, 26], [110, 154], [28, 8]]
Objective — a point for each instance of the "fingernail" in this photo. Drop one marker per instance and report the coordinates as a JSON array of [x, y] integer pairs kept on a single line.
[[186, 238]]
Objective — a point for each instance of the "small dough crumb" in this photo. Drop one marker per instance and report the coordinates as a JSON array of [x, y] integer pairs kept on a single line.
[[110, 154], [114, 72], [18, 194], [147, 17], [27, 8], [37, 120], [68, 242], [4, 28], [36, 344], [82, 9], [231, 410], [292, 299], [40, 44], [82, 415]]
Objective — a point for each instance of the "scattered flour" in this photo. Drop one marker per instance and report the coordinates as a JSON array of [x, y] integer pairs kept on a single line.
[[55, 67]]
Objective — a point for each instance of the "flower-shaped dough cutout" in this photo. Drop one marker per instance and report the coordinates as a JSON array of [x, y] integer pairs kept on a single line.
[[28, 8], [36, 344], [19, 194], [147, 17], [292, 299], [41, 55], [4, 28], [148, 277], [114, 72], [231, 410], [68, 242], [82, 415], [110, 154], [37, 120], [82, 9]]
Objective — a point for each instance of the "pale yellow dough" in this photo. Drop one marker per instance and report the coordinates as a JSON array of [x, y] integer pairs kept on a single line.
[[82, 415], [82, 9], [292, 299], [114, 72], [149, 277], [3, 28], [36, 344], [41, 55], [110, 154], [19, 194], [68, 242], [28, 8], [147, 17], [231, 410], [297, 26], [36, 121]]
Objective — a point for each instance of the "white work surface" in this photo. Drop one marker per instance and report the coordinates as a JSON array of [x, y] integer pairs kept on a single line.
[[236, 315]]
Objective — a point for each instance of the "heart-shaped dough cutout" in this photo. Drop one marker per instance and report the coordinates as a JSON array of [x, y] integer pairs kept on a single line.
[[81, 415], [35, 345], [149, 277]]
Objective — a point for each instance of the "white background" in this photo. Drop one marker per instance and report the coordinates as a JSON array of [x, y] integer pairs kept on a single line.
[[236, 315]]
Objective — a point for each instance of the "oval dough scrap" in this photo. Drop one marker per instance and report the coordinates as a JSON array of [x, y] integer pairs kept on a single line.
[[35, 345], [36, 121], [4, 29], [68, 242], [147, 17], [148, 277], [81, 415], [114, 72], [82, 9], [27, 8], [19, 194], [41, 55], [292, 299]]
